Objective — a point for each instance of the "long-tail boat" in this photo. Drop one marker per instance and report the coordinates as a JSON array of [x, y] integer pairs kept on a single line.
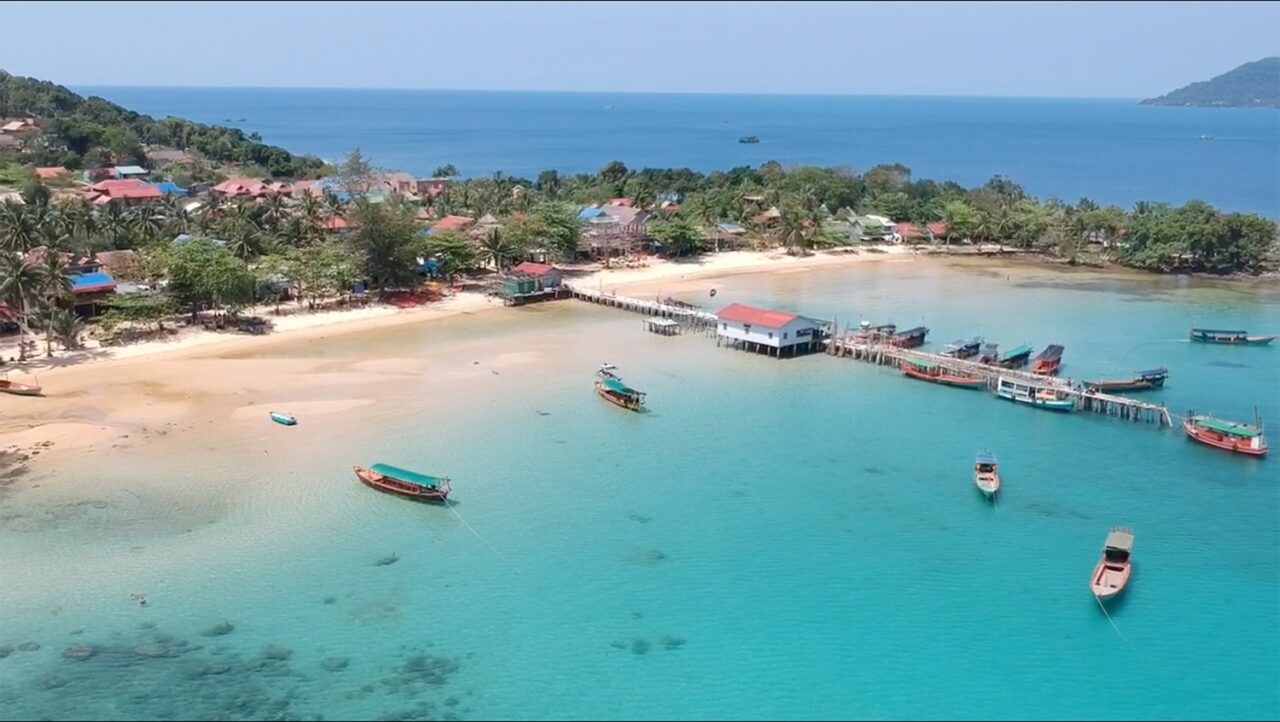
[[1227, 435], [1141, 381], [986, 474], [1239, 338], [910, 338], [1032, 394], [867, 333], [1112, 573], [1048, 361], [929, 371], [1015, 358], [963, 348], [989, 354], [613, 390], [402, 482], [19, 389]]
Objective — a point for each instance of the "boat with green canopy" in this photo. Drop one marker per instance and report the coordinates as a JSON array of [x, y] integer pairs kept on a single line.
[[1015, 358], [403, 482], [615, 391], [1239, 338], [931, 371], [1227, 435]]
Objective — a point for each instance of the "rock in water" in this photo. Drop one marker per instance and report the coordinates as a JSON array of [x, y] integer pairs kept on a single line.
[[219, 629], [277, 653], [28, 647], [335, 664], [671, 642], [640, 646], [387, 561], [5, 650], [81, 652]]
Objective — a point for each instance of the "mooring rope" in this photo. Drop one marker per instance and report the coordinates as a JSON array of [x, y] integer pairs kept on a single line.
[[473, 531], [1110, 621]]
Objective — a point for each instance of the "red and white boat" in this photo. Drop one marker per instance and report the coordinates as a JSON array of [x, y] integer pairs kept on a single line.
[[1112, 573], [986, 475], [1226, 435]]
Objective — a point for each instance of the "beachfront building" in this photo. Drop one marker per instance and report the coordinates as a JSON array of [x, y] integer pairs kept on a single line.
[[612, 230], [546, 275], [873, 228], [125, 190], [775, 333], [911, 233]]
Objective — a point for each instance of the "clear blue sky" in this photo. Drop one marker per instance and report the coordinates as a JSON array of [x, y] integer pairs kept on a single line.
[[1125, 50]]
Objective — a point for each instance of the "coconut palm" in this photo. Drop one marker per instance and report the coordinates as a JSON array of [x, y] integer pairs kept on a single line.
[[67, 327], [274, 212], [147, 223], [116, 224], [18, 230], [496, 246], [19, 287]]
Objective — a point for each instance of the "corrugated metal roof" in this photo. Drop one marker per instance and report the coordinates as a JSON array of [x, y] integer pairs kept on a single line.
[[756, 316], [91, 282]]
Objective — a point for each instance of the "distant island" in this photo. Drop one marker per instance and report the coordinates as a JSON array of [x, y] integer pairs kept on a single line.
[[1252, 85]]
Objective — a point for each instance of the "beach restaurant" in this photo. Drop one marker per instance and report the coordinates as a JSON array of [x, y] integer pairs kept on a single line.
[[774, 333]]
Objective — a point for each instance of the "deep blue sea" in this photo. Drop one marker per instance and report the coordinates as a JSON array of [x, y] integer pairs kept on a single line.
[[1113, 151], [773, 539]]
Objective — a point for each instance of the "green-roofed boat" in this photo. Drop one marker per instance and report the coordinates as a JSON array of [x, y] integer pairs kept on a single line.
[[1226, 435], [411, 484], [930, 371], [1238, 338], [612, 389]]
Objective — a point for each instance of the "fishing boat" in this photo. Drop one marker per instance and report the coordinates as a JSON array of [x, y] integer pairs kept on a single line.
[[986, 474], [910, 338], [874, 334], [1239, 338], [749, 139], [1228, 435], [989, 354], [1015, 358], [613, 390], [929, 371], [1033, 394], [19, 389], [1048, 361], [963, 348], [1112, 573], [1141, 381], [285, 419], [403, 482]]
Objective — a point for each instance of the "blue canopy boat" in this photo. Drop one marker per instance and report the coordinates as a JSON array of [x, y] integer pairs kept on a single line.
[[286, 419], [404, 482]]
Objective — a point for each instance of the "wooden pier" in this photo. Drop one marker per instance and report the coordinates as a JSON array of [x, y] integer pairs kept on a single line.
[[1093, 401], [688, 318]]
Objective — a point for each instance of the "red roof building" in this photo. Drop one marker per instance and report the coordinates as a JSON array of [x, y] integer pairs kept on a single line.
[[335, 223], [130, 189], [50, 172], [533, 269], [775, 333], [743, 313], [453, 222]]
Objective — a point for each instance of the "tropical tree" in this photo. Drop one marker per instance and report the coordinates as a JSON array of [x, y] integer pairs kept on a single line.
[[497, 248], [454, 251], [562, 226], [204, 274], [19, 231], [20, 285], [679, 237], [67, 327], [54, 288]]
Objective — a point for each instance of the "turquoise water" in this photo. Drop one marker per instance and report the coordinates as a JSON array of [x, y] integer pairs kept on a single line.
[[1113, 151], [779, 539]]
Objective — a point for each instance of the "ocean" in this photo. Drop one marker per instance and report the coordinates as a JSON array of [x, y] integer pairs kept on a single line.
[[1113, 151], [773, 539]]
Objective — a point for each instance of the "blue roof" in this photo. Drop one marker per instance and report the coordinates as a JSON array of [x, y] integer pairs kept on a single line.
[[171, 188], [986, 458], [91, 281], [184, 237], [587, 214]]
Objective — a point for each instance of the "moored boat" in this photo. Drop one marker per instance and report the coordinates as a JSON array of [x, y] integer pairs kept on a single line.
[[875, 334], [402, 482], [1048, 361], [1239, 338], [929, 371], [285, 419], [910, 338], [1141, 381], [1227, 435], [1112, 573], [19, 389], [1016, 357], [963, 348], [986, 474], [989, 354], [613, 390], [1033, 394]]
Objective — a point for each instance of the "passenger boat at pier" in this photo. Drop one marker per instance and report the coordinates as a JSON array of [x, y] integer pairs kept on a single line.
[[1141, 381], [611, 388], [910, 338], [1227, 435], [402, 482], [1015, 358], [963, 348], [1032, 394], [1239, 338], [867, 333], [1112, 573], [1048, 361], [989, 354], [929, 371], [986, 475]]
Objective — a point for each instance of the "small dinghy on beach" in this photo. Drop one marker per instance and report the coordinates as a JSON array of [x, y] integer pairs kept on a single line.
[[285, 419]]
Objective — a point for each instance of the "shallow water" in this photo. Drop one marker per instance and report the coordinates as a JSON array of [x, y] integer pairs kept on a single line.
[[778, 539]]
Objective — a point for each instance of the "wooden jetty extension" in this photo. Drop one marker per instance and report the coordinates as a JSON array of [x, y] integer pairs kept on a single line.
[[686, 316], [1085, 400]]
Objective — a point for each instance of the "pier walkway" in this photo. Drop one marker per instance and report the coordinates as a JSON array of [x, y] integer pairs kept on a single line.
[[690, 318]]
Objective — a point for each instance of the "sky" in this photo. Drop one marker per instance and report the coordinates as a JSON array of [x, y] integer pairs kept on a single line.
[[1069, 49]]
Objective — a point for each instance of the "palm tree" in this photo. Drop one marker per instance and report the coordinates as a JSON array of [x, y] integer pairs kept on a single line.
[[146, 223], [19, 287], [274, 212], [54, 287], [67, 326], [116, 224], [18, 230], [497, 248]]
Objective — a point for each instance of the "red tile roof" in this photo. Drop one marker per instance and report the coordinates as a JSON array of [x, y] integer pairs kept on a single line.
[[938, 229], [334, 223], [756, 316], [50, 172], [453, 222], [623, 202], [533, 269]]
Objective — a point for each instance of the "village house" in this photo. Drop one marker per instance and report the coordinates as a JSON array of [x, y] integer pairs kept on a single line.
[[612, 230], [910, 233], [546, 275], [104, 192], [90, 284], [432, 187], [251, 188], [128, 171], [14, 126], [457, 223], [49, 173], [775, 333]]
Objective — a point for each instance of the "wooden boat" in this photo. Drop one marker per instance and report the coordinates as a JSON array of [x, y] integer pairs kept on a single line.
[[1239, 338], [1048, 361], [1032, 394], [18, 389], [1112, 573], [986, 474], [750, 139], [1141, 381], [1015, 358], [1226, 435], [929, 371], [402, 482], [613, 390], [875, 334], [963, 348], [285, 419], [910, 338], [990, 353]]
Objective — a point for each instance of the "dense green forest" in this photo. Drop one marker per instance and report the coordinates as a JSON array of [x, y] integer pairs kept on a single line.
[[1252, 85], [93, 132]]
